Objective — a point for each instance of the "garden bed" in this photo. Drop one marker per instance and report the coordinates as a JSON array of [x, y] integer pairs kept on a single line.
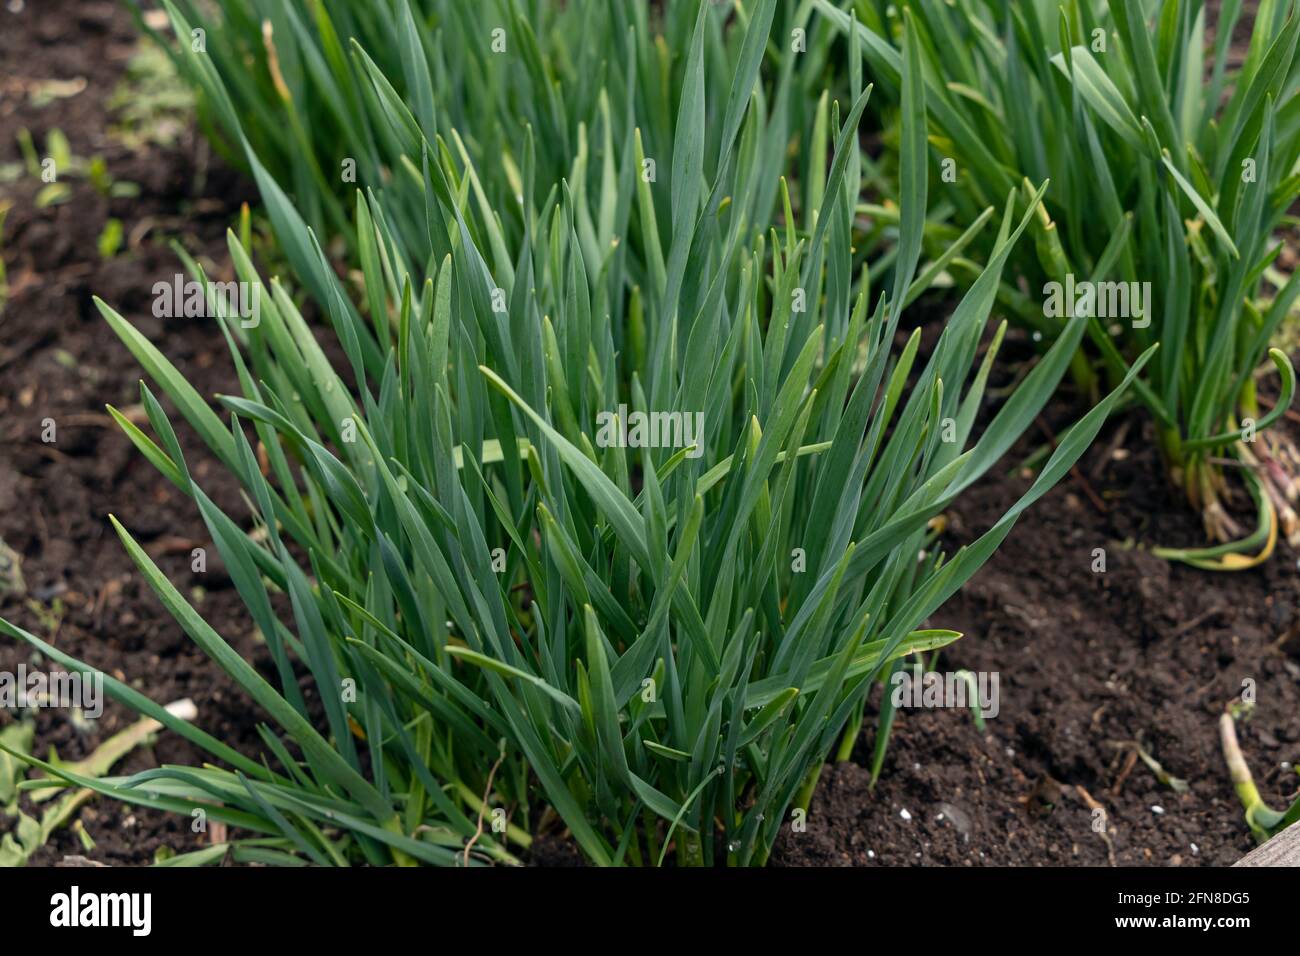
[[58, 359], [1090, 663]]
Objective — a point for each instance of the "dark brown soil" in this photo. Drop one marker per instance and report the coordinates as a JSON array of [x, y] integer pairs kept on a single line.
[[60, 360], [1089, 662]]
